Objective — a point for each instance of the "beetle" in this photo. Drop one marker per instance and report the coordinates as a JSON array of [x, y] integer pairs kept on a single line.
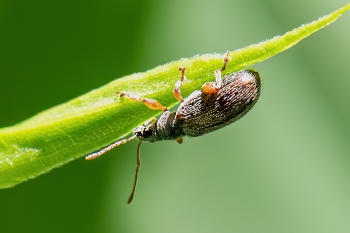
[[215, 106]]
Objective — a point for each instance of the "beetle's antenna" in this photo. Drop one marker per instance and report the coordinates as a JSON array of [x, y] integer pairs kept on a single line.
[[138, 163], [108, 148]]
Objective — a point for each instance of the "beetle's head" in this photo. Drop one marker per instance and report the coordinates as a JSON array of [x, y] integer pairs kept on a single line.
[[145, 131]]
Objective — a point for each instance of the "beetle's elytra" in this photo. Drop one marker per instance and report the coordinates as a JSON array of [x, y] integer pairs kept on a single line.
[[216, 105]]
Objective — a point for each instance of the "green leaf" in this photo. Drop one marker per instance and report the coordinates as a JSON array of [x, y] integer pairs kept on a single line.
[[98, 118]]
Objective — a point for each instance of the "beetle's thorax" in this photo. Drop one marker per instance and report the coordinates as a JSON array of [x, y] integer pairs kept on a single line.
[[165, 128]]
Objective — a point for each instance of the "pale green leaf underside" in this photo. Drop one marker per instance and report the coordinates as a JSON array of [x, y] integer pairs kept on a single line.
[[91, 121]]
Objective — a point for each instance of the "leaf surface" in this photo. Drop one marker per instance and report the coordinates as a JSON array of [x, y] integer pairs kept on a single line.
[[98, 118]]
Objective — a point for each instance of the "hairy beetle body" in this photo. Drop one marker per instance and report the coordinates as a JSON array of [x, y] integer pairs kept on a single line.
[[215, 106], [202, 112]]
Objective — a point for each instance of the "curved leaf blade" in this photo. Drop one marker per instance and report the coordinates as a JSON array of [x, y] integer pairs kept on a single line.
[[91, 121]]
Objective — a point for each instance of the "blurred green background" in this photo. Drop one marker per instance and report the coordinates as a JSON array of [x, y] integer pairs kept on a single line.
[[282, 168]]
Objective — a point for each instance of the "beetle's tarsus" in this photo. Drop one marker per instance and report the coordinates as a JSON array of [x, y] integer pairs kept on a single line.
[[177, 91], [150, 103], [226, 60]]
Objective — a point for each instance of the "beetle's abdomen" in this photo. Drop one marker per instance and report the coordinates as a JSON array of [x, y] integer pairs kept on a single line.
[[202, 113]]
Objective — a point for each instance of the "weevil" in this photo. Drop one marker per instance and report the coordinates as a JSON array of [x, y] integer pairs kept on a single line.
[[215, 106]]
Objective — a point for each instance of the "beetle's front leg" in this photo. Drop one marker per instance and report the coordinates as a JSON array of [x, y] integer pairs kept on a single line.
[[150, 103]]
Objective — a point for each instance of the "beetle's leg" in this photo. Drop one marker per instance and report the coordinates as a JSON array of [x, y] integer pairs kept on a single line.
[[179, 140], [226, 60], [177, 91], [150, 103], [214, 87]]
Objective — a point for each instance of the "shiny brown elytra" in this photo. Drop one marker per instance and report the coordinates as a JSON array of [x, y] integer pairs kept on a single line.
[[217, 105]]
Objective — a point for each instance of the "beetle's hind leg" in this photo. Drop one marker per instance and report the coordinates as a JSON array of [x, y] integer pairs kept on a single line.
[[214, 87], [150, 103]]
